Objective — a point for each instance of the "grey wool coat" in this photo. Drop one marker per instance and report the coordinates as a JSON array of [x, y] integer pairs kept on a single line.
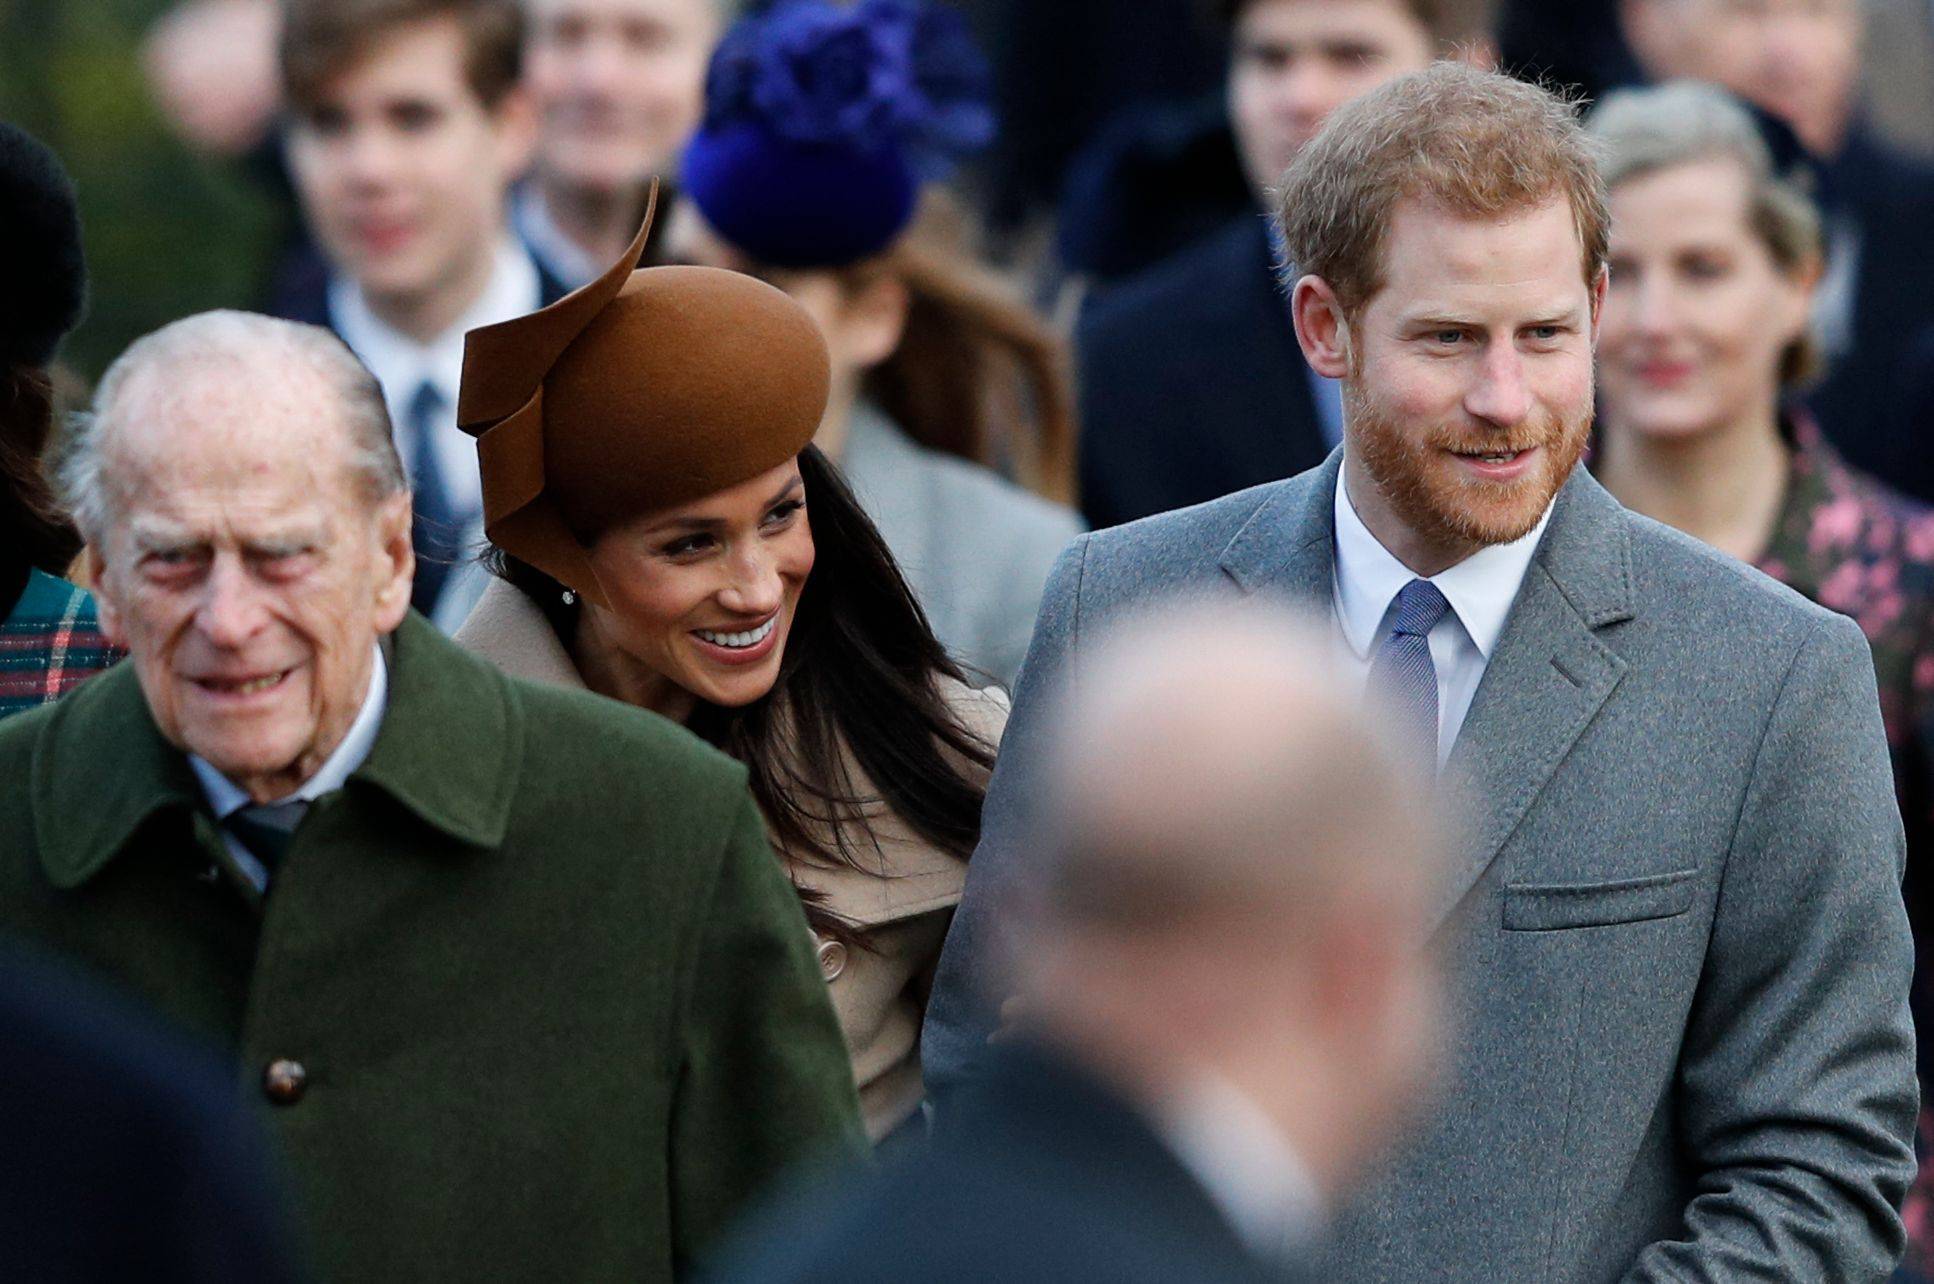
[[1681, 961]]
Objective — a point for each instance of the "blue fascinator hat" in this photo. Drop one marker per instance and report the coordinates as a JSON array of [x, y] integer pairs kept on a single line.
[[823, 119]]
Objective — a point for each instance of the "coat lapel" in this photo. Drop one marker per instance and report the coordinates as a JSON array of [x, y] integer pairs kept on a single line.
[[1547, 679], [1288, 546]]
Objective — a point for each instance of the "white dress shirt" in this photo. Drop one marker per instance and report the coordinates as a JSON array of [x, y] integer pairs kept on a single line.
[[225, 799], [1480, 590], [402, 364], [1244, 1164]]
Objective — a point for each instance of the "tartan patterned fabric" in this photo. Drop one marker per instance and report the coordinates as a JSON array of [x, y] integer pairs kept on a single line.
[[49, 644]]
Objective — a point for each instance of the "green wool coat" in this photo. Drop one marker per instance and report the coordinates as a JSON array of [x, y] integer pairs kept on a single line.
[[555, 1002]]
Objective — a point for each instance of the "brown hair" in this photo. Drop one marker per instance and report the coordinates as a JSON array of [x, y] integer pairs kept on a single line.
[[34, 531], [1476, 143], [1448, 21], [1643, 131], [320, 38], [974, 362]]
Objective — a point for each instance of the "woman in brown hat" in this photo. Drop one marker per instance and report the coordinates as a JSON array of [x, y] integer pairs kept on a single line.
[[666, 535]]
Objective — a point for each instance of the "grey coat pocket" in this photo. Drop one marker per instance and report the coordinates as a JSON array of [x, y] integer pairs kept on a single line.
[[1550, 907]]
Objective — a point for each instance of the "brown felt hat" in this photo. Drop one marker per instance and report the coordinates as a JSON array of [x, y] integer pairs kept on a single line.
[[642, 390]]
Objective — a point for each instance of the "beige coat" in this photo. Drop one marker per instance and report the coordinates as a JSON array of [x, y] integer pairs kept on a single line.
[[904, 898]]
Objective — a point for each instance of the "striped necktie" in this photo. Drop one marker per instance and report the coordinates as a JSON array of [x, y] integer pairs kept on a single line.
[[267, 829], [434, 529], [1403, 671]]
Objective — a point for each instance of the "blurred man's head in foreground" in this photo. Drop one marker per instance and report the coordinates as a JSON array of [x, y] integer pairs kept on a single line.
[[1238, 881]]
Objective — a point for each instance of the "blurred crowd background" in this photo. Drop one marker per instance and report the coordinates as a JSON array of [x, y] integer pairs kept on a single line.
[[165, 112]]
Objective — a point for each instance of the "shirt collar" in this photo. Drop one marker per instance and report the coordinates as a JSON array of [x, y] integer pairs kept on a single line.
[[565, 258], [1242, 1161], [1480, 589], [400, 363], [224, 799]]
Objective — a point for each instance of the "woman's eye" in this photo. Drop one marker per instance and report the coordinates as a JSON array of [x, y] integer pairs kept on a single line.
[[687, 546], [785, 512]]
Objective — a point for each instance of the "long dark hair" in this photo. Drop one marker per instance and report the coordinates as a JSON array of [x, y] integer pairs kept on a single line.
[[34, 532], [861, 676]]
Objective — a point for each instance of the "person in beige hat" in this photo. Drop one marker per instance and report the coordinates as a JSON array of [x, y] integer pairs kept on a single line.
[[666, 535]]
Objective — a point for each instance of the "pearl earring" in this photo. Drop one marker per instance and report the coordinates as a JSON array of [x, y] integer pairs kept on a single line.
[[570, 598]]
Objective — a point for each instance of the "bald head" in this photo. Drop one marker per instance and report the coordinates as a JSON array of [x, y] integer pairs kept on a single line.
[[1236, 882], [1219, 760]]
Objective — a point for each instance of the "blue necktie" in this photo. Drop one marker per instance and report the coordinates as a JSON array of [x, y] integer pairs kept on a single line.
[[267, 830], [1403, 670], [434, 528]]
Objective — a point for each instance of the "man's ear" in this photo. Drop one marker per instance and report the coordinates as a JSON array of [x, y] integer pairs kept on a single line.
[[107, 610], [395, 561], [1320, 327], [1599, 288]]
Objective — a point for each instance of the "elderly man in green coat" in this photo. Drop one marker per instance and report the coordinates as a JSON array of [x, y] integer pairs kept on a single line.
[[512, 970]]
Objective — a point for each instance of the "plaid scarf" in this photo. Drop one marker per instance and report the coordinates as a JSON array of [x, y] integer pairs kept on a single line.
[[49, 644]]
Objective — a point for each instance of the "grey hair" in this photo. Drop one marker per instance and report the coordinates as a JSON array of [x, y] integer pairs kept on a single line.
[[1643, 131], [250, 342]]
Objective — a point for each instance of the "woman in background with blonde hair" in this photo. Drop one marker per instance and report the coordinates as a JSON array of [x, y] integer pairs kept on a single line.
[[822, 183]]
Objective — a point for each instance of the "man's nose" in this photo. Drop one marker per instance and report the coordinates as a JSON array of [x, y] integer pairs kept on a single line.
[[1307, 92], [1499, 395], [232, 607], [602, 68], [369, 156]]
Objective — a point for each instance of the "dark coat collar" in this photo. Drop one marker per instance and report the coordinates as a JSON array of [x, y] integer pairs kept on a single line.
[[449, 751]]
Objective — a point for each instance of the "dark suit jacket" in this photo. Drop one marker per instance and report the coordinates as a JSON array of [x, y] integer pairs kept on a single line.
[[1866, 404], [1042, 1174], [1192, 385], [1680, 959], [126, 1154]]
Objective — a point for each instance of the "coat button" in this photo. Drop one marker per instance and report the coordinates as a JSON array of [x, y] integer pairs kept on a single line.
[[285, 1081], [832, 960]]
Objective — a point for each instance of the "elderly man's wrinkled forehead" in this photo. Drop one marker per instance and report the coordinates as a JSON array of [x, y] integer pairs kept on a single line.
[[237, 412]]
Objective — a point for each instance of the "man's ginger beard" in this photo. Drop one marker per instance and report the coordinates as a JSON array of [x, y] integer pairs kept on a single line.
[[1434, 496]]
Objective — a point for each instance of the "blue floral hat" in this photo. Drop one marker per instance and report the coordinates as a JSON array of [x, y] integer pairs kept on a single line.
[[823, 119]]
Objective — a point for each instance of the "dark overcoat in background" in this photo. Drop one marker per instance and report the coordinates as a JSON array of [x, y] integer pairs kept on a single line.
[[1042, 1172], [123, 1152], [1192, 384], [554, 1002]]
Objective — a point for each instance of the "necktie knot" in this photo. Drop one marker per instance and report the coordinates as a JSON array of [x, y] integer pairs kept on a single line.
[[1420, 605], [267, 829], [425, 405]]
